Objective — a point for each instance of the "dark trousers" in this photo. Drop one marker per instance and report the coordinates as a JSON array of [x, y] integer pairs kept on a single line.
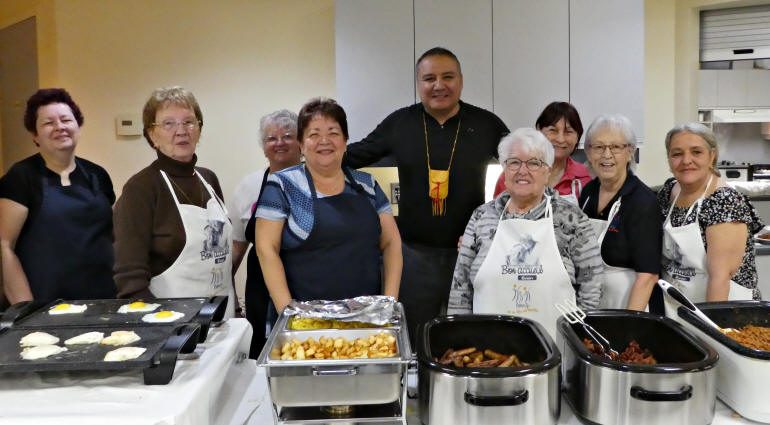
[[425, 282]]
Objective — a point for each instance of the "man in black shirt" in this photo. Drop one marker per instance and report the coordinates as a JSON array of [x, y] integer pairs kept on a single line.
[[442, 147]]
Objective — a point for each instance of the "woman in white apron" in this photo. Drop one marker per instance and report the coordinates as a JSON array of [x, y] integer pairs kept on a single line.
[[529, 248], [624, 215], [707, 250], [172, 234], [560, 123]]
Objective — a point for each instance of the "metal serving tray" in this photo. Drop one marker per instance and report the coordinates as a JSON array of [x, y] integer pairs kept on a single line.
[[163, 344], [34, 315]]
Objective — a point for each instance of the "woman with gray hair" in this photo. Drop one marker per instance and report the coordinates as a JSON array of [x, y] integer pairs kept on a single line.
[[528, 248], [278, 139], [172, 233], [707, 248], [623, 212]]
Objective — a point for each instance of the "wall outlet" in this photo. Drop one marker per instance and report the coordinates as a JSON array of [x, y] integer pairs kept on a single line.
[[395, 193]]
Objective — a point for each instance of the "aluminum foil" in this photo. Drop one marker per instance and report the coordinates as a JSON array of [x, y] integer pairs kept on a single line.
[[375, 309]]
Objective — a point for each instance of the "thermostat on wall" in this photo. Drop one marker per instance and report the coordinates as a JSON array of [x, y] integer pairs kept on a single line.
[[128, 125]]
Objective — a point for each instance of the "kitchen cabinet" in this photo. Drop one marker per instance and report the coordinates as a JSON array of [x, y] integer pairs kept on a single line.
[[733, 88]]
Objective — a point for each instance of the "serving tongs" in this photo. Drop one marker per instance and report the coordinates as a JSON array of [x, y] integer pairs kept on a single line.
[[686, 303], [574, 314]]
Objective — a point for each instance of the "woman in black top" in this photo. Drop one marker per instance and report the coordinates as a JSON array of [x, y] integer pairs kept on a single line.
[[624, 213], [56, 211]]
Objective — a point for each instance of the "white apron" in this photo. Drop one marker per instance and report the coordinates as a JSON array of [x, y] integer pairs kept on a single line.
[[573, 196], [618, 281], [523, 273], [686, 255], [204, 265]]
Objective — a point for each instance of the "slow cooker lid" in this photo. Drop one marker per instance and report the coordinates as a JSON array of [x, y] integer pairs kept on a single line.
[[503, 334]]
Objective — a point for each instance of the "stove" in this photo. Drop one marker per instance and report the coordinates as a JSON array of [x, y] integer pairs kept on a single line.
[[734, 171]]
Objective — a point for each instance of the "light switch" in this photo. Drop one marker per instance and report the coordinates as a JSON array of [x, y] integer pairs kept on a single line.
[[128, 125]]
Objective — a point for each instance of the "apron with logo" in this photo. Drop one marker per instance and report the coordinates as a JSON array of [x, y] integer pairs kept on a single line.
[[618, 281], [203, 268], [523, 273], [572, 197], [686, 255]]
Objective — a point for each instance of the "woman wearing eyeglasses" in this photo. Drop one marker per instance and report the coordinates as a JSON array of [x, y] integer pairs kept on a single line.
[[172, 234], [528, 248], [624, 214]]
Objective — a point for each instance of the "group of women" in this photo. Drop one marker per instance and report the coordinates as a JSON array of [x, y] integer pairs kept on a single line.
[[323, 231]]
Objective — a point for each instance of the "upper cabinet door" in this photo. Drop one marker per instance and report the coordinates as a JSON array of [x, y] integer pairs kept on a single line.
[[607, 59], [465, 28], [531, 58], [374, 59]]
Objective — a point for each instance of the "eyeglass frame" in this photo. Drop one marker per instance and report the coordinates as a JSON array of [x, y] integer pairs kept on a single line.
[[186, 124], [614, 148], [285, 138], [508, 165]]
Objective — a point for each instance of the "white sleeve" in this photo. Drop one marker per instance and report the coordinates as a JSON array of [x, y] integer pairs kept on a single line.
[[243, 199]]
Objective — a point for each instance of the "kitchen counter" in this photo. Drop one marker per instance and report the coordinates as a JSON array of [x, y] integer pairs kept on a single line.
[[203, 391], [256, 409]]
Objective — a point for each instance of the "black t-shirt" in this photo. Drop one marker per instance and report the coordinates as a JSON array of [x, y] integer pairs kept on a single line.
[[23, 182], [633, 239], [402, 136]]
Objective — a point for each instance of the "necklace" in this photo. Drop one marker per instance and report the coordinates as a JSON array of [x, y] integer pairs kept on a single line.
[[187, 197], [438, 180]]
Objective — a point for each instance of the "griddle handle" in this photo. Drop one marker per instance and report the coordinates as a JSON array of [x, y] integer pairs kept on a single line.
[[514, 399], [216, 308], [162, 370], [18, 311], [685, 393]]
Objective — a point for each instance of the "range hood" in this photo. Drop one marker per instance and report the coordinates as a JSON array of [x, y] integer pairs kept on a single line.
[[740, 115], [735, 33]]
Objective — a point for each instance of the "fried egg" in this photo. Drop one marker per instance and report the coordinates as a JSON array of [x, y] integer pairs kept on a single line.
[[37, 338], [137, 307], [124, 353], [86, 338], [162, 316], [121, 338], [41, 351], [67, 309]]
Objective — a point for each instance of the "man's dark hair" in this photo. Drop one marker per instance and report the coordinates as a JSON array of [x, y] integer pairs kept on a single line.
[[438, 51]]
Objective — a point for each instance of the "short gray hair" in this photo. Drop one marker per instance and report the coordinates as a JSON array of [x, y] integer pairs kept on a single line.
[[613, 122], [697, 129], [529, 139], [282, 118]]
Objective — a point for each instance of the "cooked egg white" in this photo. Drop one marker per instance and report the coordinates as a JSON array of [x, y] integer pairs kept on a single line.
[[67, 309], [121, 338], [137, 307], [162, 316], [86, 338], [41, 352], [124, 353], [37, 338]]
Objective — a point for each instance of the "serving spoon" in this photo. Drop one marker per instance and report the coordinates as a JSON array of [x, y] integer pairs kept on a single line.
[[686, 303]]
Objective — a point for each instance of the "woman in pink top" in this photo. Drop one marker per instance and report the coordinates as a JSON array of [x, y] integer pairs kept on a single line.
[[560, 123]]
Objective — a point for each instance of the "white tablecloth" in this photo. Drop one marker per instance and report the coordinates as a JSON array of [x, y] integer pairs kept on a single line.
[[258, 408], [203, 391]]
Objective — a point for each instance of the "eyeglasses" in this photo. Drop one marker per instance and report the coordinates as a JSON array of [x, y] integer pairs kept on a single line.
[[615, 149], [171, 125], [514, 164], [286, 138]]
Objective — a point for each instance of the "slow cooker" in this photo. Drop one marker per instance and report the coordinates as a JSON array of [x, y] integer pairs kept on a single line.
[[526, 394], [679, 389], [743, 373]]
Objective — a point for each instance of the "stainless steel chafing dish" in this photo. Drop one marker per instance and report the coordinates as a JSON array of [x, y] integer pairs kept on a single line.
[[312, 390]]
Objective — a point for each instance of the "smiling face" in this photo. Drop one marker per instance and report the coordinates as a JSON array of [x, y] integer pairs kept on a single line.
[[56, 128], [523, 184], [323, 143], [169, 134], [690, 159], [609, 154], [281, 147], [563, 137], [439, 83]]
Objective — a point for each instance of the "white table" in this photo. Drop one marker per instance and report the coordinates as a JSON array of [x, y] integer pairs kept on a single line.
[[256, 408], [203, 391]]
